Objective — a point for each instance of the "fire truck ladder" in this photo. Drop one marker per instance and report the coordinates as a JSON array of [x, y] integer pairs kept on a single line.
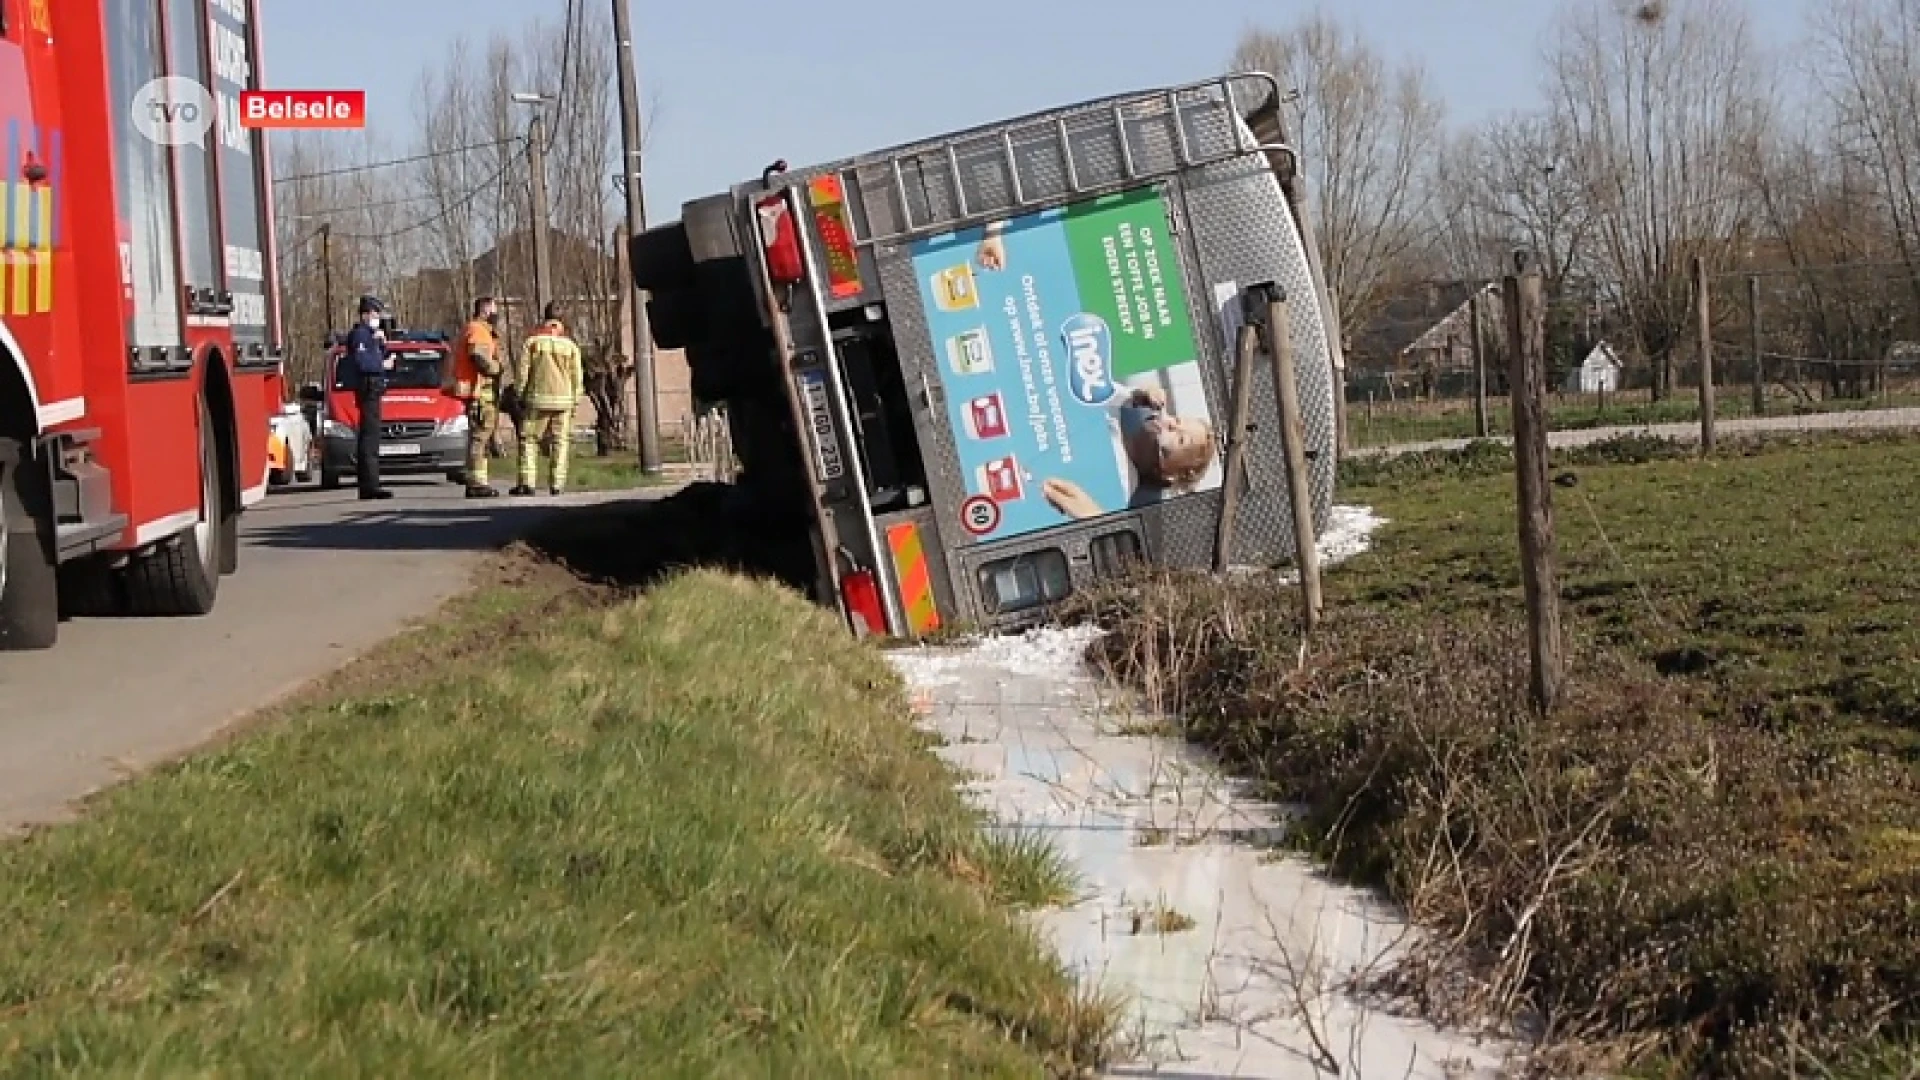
[[1078, 152]]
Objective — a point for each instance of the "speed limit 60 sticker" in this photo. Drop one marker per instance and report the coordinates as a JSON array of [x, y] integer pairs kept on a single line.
[[979, 515]]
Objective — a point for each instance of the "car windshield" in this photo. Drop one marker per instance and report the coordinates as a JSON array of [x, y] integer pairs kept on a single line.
[[413, 369]]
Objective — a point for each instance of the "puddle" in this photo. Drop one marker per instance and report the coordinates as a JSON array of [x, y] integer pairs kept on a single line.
[[1236, 955]]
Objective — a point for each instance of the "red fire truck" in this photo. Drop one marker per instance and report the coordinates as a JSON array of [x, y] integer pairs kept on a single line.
[[138, 316]]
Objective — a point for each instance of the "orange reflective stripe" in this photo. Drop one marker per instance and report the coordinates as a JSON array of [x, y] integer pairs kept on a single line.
[[916, 580]]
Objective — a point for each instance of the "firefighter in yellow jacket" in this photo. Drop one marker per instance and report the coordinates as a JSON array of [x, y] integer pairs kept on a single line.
[[551, 381], [477, 367]]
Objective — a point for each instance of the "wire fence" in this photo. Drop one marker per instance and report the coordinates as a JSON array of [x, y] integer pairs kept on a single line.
[[709, 445], [1791, 348]]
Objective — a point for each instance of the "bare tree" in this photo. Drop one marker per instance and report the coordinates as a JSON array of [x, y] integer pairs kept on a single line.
[[1658, 101], [323, 184], [1507, 186], [1870, 67], [1370, 137]]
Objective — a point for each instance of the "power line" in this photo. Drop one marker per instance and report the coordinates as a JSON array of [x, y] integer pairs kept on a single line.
[[447, 211], [405, 200], [391, 162]]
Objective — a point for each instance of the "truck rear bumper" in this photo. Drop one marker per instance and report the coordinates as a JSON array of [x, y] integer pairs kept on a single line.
[[437, 453]]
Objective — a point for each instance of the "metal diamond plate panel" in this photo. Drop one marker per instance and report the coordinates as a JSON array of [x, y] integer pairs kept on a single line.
[[1234, 231]]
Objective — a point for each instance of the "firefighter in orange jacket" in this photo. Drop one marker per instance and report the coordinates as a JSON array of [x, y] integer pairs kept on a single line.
[[477, 367]]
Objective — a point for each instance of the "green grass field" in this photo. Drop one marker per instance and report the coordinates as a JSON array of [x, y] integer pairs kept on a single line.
[[1783, 577], [1706, 860], [565, 832], [1382, 423]]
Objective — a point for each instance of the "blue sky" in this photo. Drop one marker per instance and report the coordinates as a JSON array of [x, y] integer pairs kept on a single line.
[[732, 86]]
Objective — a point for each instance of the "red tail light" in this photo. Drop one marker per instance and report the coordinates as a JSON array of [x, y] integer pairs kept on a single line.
[[862, 595], [784, 265]]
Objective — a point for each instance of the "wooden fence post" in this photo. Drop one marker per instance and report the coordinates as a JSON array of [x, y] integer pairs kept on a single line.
[[1293, 438], [1703, 312], [1479, 367], [1526, 311], [1759, 354], [1236, 478]]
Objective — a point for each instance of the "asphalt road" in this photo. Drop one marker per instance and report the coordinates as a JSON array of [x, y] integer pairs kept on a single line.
[[1860, 420], [323, 578]]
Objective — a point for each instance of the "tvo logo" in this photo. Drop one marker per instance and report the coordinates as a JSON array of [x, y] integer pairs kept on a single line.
[[1089, 344], [174, 111]]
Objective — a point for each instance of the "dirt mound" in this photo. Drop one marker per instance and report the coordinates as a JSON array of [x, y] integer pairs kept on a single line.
[[718, 526]]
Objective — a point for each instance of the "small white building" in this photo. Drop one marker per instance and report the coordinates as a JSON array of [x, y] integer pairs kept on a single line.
[[1599, 373]]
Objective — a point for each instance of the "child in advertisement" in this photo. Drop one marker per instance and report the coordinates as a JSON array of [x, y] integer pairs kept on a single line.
[[1169, 454]]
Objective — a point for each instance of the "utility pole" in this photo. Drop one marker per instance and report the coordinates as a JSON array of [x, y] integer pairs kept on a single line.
[[646, 403], [537, 161], [326, 270]]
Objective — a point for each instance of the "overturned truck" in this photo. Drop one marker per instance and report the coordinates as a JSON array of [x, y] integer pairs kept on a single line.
[[986, 369]]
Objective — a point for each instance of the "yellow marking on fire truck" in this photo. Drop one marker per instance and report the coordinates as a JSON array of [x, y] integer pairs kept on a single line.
[[21, 263], [26, 272], [916, 581], [43, 250], [40, 16]]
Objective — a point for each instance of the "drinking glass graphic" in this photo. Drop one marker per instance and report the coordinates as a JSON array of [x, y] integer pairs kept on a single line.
[[1000, 480], [987, 417], [970, 353], [954, 289]]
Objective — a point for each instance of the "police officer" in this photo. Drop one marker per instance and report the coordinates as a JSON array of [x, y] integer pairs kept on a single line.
[[477, 367], [367, 352]]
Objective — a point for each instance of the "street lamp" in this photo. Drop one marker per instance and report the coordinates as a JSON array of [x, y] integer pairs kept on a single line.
[[537, 162], [325, 233]]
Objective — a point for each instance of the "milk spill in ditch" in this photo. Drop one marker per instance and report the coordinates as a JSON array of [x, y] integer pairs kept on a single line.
[[1237, 958]]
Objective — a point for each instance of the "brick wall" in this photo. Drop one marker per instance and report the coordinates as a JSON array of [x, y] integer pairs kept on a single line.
[[673, 390]]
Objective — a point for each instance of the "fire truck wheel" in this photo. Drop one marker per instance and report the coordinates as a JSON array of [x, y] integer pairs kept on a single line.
[[183, 576], [229, 545], [29, 581], [89, 589]]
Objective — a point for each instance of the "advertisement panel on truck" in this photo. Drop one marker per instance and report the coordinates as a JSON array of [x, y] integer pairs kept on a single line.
[[1067, 353]]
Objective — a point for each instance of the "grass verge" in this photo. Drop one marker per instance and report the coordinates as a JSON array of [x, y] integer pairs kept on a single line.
[[586, 471], [1707, 861], [567, 832]]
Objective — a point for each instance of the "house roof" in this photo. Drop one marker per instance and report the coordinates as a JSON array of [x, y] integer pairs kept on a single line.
[[1409, 316], [512, 258], [1601, 356], [1453, 326]]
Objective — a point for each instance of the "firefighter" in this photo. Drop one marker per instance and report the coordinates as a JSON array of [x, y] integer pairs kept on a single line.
[[477, 367], [551, 383], [367, 352]]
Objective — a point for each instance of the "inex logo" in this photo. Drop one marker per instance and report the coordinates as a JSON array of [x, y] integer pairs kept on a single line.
[[174, 111], [1090, 346]]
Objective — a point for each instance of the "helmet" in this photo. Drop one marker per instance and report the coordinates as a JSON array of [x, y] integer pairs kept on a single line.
[[371, 305]]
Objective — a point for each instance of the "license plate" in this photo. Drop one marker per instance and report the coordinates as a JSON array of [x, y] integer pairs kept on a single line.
[[399, 449]]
